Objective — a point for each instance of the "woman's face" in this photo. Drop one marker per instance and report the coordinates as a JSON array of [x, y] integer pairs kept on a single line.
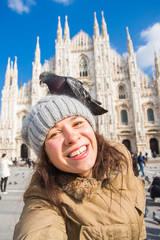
[[71, 146]]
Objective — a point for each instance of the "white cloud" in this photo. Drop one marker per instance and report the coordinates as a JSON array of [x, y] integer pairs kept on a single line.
[[145, 52], [21, 6], [65, 2]]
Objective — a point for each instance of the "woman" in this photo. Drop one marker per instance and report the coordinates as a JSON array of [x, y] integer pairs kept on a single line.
[[83, 186], [5, 172], [141, 162]]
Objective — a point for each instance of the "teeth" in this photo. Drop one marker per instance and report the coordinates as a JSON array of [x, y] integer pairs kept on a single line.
[[77, 152]]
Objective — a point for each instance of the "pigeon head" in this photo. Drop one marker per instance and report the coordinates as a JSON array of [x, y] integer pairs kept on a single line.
[[45, 76]]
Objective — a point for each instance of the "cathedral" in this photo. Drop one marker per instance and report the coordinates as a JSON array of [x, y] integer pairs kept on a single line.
[[131, 97]]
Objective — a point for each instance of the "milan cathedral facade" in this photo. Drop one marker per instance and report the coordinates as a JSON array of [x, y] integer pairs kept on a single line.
[[132, 99]]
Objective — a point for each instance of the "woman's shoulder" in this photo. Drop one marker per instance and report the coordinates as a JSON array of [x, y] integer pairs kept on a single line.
[[39, 220], [38, 216]]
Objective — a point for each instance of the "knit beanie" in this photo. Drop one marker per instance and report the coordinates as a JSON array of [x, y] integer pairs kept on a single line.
[[46, 113]]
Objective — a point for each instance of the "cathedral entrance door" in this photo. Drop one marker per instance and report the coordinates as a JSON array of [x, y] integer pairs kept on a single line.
[[127, 143], [24, 152], [154, 145]]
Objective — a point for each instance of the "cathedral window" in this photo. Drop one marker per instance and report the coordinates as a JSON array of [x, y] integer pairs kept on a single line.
[[10, 81], [83, 67], [150, 115], [121, 92], [124, 116]]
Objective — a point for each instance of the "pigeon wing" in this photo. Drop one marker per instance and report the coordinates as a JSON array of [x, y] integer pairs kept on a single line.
[[78, 89], [82, 95]]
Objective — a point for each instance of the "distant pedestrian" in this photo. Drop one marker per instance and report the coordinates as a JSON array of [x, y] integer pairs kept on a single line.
[[16, 161], [146, 157], [135, 164], [5, 172], [141, 162], [29, 162]]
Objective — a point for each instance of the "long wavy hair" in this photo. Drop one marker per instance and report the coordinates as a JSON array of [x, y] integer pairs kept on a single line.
[[109, 159]]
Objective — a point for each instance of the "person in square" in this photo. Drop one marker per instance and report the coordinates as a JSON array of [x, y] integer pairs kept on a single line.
[[83, 186]]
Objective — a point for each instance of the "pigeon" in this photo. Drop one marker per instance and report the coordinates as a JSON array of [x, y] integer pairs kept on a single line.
[[73, 88], [146, 212], [147, 179], [156, 218]]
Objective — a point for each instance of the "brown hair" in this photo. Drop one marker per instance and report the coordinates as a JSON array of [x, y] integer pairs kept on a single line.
[[108, 160]]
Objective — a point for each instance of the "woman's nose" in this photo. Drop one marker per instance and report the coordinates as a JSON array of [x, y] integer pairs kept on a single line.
[[71, 136]]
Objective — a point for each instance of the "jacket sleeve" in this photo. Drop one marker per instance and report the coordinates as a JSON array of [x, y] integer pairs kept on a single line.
[[143, 231], [136, 189], [39, 223]]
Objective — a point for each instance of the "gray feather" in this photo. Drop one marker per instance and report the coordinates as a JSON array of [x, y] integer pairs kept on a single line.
[[73, 88]]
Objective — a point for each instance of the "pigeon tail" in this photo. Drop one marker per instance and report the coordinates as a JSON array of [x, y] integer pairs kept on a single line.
[[96, 109]]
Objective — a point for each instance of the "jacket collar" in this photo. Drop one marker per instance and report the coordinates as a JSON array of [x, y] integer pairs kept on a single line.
[[78, 187]]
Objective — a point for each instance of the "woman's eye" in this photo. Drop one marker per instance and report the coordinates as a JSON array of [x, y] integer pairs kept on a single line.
[[54, 134], [78, 123]]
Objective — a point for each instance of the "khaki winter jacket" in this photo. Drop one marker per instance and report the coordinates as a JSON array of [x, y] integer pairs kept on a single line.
[[95, 210]]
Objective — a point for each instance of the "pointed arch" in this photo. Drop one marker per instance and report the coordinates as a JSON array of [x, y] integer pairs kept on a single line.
[[154, 145], [83, 66], [150, 115], [124, 116], [127, 143], [122, 91], [10, 81], [24, 151]]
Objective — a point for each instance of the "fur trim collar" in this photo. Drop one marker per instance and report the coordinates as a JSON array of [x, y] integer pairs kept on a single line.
[[78, 187]]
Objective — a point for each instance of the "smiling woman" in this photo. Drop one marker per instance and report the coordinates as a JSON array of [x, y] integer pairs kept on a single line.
[[83, 186], [71, 146]]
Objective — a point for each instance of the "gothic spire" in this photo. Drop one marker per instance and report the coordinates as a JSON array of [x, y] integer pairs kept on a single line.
[[132, 63], [157, 63], [59, 30], [66, 30], [129, 43], [104, 27], [15, 69], [37, 51], [153, 76], [155, 56], [96, 27], [15, 64], [21, 83], [8, 65], [11, 65], [8, 71]]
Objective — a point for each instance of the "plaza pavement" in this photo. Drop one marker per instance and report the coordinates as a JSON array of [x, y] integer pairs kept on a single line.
[[11, 204]]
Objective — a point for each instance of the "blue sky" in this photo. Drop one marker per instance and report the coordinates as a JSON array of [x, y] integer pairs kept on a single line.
[[23, 20]]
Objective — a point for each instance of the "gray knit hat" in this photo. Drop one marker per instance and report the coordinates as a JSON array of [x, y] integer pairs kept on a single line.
[[46, 113]]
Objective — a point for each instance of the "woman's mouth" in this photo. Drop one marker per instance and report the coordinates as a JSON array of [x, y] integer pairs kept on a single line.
[[78, 152]]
